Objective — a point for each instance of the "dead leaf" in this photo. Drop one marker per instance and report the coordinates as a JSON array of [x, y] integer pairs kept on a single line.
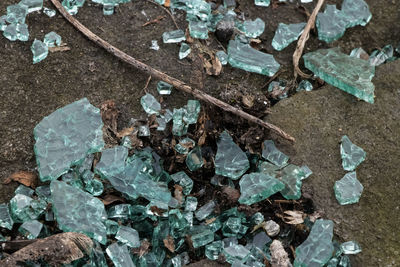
[[213, 67], [167, 3], [156, 210], [317, 214], [125, 132], [156, 20], [143, 249], [110, 199], [209, 221], [26, 178], [248, 100], [178, 193], [169, 243], [232, 193], [293, 217], [109, 114]]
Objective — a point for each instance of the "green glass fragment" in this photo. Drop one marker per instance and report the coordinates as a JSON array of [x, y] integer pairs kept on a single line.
[[72, 6], [306, 172], [379, 57], [352, 155], [286, 34], [236, 252], [255, 187], [94, 187], [184, 145], [32, 5], [111, 226], [192, 111], [65, 137], [201, 235], [292, 178], [52, 39], [150, 104], [194, 159], [359, 53], [10, 32], [233, 227], [24, 208], [184, 50], [333, 262], [230, 241], [317, 249], [177, 223], [121, 211], [261, 240], [3, 22], [222, 57], [304, 85], [24, 190], [244, 57], [268, 168], [120, 256], [43, 192], [348, 189], [214, 249], [184, 180], [350, 248], [198, 10], [97, 258], [331, 24], [31, 229], [352, 75], [78, 211], [262, 2], [356, 12], [16, 14], [128, 236], [230, 160], [5, 218], [164, 88], [144, 131], [176, 261], [22, 32], [205, 210], [108, 7], [155, 192], [252, 28], [257, 218], [272, 154], [179, 127], [278, 88], [191, 204], [49, 12], [176, 36]]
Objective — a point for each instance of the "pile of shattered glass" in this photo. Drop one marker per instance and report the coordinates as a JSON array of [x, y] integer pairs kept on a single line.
[[172, 225]]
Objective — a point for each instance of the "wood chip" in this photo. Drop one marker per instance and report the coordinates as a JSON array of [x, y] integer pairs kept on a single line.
[[110, 199], [26, 178], [169, 243]]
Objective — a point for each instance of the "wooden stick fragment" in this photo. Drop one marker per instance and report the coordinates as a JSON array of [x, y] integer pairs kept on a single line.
[[303, 39], [164, 77]]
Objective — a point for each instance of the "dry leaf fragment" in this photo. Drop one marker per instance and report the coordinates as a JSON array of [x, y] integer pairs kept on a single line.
[[178, 193], [110, 199], [109, 114], [293, 217], [143, 249], [211, 220], [169, 243], [156, 20], [125, 132], [26, 178], [214, 67]]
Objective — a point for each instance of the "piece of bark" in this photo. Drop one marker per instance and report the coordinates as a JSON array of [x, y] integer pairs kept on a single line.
[[26, 178], [279, 256]]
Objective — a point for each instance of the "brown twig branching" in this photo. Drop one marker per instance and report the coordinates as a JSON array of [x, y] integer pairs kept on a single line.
[[166, 10], [303, 39], [164, 77]]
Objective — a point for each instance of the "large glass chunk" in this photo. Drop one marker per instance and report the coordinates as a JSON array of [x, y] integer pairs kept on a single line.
[[317, 249], [184, 180], [191, 204], [176, 36], [49, 12], [272, 154], [230, 160], [233, 227], [359, 53], [252, 28], [352, 155], [65, 137], [198, 29], [379, 57], [120, 256], [201, 236], [292, 178], [24, 190], [22, 32], [185, 145], [244, 57], [192, 111], [348, 189], [5, 218], [262, 2], [213, 250], [357, 12], [24, 208], [236, 252], [32, 5], [255, 187], [350, 247], [179, 127], [10, 32], [150, 104], [16, 14], [331, 24], [31, 229], [194, 159], [155, 192], [205, 210], [164, 88], [52, 39], [286, 34], [78, 211], [352, 75], [128, 236]]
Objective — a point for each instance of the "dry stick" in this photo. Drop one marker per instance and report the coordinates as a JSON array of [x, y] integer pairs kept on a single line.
[[303, 39], [166, 10], [164, 77]]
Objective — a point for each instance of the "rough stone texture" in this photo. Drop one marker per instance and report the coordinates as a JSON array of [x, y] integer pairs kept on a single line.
[[318, 120]]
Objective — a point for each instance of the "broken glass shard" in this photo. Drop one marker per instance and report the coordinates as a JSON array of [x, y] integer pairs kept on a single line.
[[121, 211], [111, 226], [306, 172], [379, 57], [16, 14], [39, 51], [108, 7], [177, 223], [176, 36], [201, 235], [49, 12], [194, 159], [205, 210], [184, 145], [222, 57], [359, 53], [24, 208], [244, 57], [128, 236], [191, 204], [262, 2], [252, 28], [304, 85], [272, 154], [70, 6], [213, 250], [161, 123], [144, 131], [94, 187], [10, 32], [192, 111], [286, 34], [198, 29], [78, 211], [230, 160], [348, 189], [3, 22], [352, 155], [5, 218], [179, 128], [317, 249], [184, 180], [350, 248], [331, 24], [24, 190], [43, 192], [31, 229], [164, 88], [120, 256], [236, 252], [65, 137], [357, 12], [261, 239], [32, 5], [154, 45], [233, 227], [150, 104], [352, 75], [184, 50], [268, 168], [257, 218], [52, 39], [255, 187], [22, 32], [292, 178]]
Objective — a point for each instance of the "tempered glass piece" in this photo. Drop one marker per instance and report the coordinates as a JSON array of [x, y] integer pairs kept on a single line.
[[255, 187], [268, 168], [3, 22], [43, 192], [230, 160], [78, 211], [350, 248], [304, 85], [184, 145], [179, 128], [260, 240], [222, 57], [70, 6], [128, 236], [201, 235], [205, 210], [111, 226], [184, 180], [192, 111], [359, 53], [344, 261], [379, 57], [5, 218], [176, 36], [213, 250], [292, 178], [272, 154], [348, 189], [244, 57], [177, 223], [144, 131], [22, 32], [252, 28], [65, 137], [24, 190], [286, 34], [317, 249], [164, 88], [184, 50], [31, 229], [352, 155], [108, 9], [306, 171], [236, 252], [32, 5], [352, 75], [49, 12], [150, 104], [154, 45], [16, 14], [52, 39], [121, 211], [194, 159], [230, 241], [356, 12], [233, 227], [10, 32], [331, 24], [94, 187], [120, 256], [262, 2], [257, 218], [24, 208]]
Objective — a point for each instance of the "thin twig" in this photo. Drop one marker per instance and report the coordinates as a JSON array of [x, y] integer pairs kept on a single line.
[[166, 10], [303, 39], [147, 84], [164, 77]]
